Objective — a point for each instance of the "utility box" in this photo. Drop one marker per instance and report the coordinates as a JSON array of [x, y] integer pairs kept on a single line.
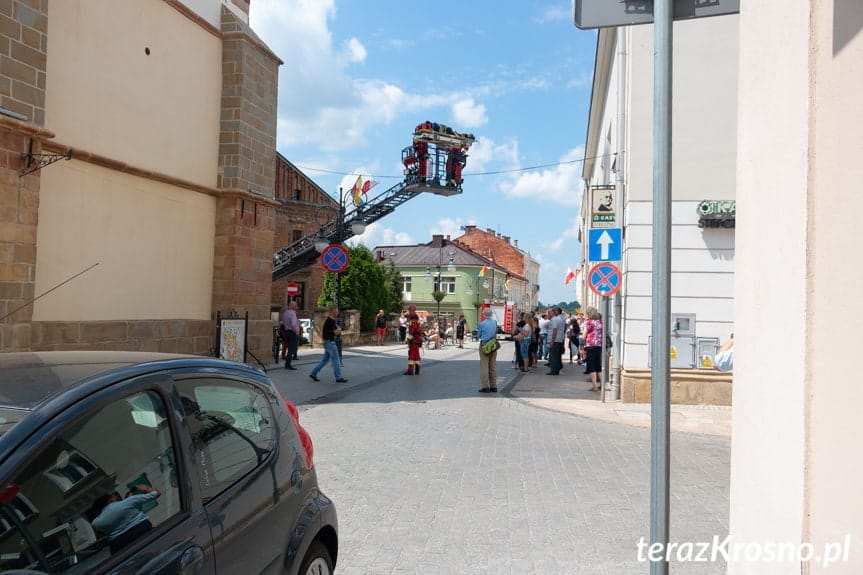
[[681, 352], [706, 352], [683, 324]]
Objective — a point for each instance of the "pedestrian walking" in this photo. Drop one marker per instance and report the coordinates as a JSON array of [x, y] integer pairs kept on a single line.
[[486, 331], [330, 332], [292, 331], [414, 337]]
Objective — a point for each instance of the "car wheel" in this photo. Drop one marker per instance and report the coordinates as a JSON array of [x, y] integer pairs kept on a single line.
[[317, 561]]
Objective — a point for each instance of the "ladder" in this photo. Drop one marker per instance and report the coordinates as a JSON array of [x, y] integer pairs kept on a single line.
[[440, 142], [302, 253]]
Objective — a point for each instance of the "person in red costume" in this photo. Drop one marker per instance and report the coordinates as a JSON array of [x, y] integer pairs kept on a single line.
[[414, 340], [422, 150]]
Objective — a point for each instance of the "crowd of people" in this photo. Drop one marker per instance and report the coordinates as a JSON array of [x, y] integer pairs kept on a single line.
[[537, 337], [548, 335]]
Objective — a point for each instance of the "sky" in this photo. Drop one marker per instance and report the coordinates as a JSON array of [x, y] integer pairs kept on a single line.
[[358, 76]]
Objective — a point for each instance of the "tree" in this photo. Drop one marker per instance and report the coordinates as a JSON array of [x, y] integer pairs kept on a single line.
[[396, 287], [364, 287], [568, 307]]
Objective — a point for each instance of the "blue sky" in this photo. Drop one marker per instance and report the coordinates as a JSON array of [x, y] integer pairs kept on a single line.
[[359, 76]]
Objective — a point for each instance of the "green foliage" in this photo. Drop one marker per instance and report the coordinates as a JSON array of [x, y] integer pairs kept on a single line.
[[365, 286], [396, 286], [438, 295], [568, 307]]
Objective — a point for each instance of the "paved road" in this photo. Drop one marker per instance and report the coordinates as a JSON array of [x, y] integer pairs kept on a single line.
[[430, 476]]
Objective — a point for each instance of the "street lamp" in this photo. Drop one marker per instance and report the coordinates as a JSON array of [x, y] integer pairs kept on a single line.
[[358, 226], [439, 287]]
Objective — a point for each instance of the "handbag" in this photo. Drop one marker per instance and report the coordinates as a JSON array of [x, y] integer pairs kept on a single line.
[[490, 346]]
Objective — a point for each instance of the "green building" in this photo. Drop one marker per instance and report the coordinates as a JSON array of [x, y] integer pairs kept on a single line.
[[465, 278]]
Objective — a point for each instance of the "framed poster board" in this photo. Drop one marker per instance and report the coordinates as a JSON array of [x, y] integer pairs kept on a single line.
[[232, 339]]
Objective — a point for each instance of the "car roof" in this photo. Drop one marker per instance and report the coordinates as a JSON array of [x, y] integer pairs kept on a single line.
[[29, 378]]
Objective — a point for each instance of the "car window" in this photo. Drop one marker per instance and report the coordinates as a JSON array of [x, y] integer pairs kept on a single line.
[[105, 481], [232, 427]]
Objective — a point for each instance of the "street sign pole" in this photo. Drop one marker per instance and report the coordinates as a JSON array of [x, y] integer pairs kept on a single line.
[[660, 397], [605, 323]]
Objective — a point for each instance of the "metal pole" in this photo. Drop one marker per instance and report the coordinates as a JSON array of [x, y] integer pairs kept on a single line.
[[341, 225], [620, 181], [439, 262], [604, 355], [661, 293]]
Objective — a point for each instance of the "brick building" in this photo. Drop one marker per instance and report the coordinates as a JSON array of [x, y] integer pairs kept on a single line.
[[303, 206], [501, 250]]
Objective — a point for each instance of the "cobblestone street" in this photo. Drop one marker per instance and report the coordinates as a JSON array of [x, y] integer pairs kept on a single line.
[[431, 477]]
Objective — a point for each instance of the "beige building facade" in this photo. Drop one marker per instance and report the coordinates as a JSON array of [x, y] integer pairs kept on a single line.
[[795, 463], [166, 204]]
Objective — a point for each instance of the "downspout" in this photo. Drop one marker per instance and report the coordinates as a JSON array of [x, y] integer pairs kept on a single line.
[[619, 188]]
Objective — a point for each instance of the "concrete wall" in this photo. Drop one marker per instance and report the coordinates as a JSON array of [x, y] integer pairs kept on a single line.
[[794, 462]]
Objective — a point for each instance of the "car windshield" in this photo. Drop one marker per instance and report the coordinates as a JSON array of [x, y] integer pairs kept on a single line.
[[9, 416]]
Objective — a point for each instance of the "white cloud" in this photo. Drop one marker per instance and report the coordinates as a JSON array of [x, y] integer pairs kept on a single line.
[[568, 238], [468, 113], [320, 104], [451, 227], [323, 105], [554, 14], [486, 152], [377, 234], [560, 184], [355, 51]]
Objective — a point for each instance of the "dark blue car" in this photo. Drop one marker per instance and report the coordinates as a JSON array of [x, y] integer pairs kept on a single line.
[[121, 462]]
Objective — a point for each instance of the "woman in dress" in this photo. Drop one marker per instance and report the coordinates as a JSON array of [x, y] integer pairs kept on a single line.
[[593, 345]]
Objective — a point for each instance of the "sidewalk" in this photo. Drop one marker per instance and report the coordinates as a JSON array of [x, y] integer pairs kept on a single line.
[[568, 392]]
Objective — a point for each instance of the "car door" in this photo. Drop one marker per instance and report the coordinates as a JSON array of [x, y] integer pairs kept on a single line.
[[245, 472], [76, 502]]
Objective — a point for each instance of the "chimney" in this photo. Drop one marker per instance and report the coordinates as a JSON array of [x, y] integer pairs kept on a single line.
[[447, 237], [490, 231], [515, 243], [469, 229], [437, 240], [505, 238]]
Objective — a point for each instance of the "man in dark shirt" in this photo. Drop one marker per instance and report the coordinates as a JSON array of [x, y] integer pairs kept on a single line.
[[331, 352]]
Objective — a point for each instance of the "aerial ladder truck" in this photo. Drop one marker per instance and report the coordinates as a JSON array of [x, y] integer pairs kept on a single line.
[[432, 163]]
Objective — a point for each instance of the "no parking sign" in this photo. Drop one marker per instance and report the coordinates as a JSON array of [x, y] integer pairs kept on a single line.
[[335, 258], [604, 279]]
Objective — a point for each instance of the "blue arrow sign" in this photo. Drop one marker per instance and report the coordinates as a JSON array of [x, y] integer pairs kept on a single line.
[[604, 244]]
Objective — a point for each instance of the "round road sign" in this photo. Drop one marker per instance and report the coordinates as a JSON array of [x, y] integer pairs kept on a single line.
[[335, 258], [604, 279], [293, 288]]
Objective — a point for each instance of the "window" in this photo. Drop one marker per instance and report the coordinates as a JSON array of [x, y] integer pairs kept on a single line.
[[447, 284], [406, 284], [71, 491], [296, 235], [232, 427]]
